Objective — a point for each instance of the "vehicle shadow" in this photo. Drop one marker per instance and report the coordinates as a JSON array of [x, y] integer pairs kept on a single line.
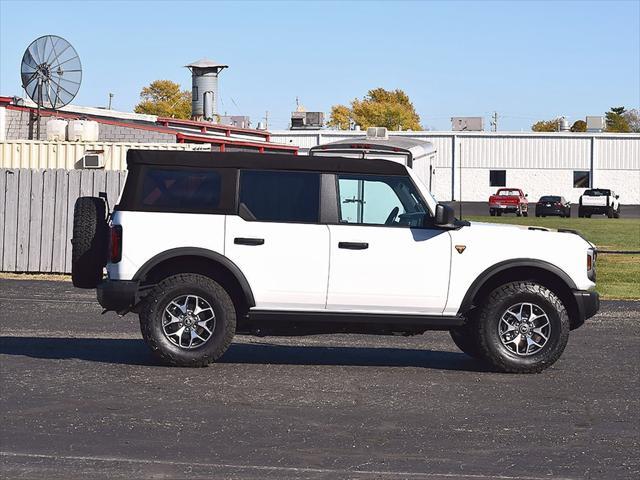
[[135, 352]]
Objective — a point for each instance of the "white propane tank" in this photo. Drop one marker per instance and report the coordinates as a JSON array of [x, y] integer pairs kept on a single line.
[[91, 130], [75, 130], [83, 131], [56, 130]]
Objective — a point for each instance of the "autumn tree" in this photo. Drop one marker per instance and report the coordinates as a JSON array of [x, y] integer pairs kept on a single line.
[[579, 126], [164, 99], [616, 121], [379, 108], [546, 125], [340, 117]]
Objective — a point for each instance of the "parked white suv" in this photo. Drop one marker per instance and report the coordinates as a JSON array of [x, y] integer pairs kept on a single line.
[[205, 245], [599, 201]]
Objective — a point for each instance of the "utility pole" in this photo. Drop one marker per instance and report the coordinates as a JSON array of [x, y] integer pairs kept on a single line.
[[110, 98], [494, 122], [266, 120]]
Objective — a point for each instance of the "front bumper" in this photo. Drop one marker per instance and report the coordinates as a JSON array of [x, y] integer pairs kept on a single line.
[[117, 295], [588, 303]]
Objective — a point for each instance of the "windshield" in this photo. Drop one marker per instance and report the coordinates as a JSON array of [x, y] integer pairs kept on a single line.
[[549, 199], [597, 192], [424, 191]]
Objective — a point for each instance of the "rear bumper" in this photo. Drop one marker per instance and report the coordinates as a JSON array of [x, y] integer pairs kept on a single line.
[[588, 303], [117, 295], [550, 211], [507, 208], [595, 208]]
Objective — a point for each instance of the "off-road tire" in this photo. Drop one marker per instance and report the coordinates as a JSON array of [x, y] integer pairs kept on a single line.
[[610, 212], [152, 313], [525, 214], [492, 212], [499, 213], [465, 339], [90, 242], [580, 212], [616, 212], [491, 348]]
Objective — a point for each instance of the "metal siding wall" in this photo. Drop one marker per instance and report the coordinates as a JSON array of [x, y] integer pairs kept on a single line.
[[524, 152], [613, 154], [36, 214], [67, 155]]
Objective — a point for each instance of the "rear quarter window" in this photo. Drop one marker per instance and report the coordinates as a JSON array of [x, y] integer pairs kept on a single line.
[[182, 189], [175, 189]]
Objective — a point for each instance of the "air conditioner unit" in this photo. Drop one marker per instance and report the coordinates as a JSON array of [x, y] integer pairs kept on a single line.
[[93, 159], [377, 133]]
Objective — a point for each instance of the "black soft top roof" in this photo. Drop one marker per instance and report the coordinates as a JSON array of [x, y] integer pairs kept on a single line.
[[267, 161]]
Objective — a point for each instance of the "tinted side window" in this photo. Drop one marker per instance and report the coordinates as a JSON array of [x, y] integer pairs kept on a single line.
[[194, 189], [272, 196]]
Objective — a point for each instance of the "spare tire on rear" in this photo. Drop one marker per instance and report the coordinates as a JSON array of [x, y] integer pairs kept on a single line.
[[90, 242]]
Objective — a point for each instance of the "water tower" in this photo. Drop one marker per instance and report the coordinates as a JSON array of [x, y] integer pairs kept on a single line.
[[204, 88]]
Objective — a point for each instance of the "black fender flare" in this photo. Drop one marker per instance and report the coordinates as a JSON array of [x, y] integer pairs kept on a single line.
[[485, 276], [204, 253]]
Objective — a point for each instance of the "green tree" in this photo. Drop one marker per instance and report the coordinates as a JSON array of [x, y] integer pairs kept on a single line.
[[546, 125], [616, 121], [633, 120], [164, 99], [379, 108], [579, 126]]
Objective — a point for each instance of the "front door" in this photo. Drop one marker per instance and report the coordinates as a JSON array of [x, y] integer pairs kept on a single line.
[[383, 259], [277, 242]]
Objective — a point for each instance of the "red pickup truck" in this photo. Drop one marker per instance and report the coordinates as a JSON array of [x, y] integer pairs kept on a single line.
[[509, 200]]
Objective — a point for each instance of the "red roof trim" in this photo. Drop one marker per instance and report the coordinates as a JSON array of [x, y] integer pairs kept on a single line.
[[215, 127], [181, 137]]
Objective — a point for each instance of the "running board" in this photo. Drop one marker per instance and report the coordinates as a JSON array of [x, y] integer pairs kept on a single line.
[[428, 322]]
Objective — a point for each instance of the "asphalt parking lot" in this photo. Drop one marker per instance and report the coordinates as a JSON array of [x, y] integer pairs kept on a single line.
[[81, 397]]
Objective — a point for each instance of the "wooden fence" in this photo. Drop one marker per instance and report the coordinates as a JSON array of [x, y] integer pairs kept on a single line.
[[36, 214]]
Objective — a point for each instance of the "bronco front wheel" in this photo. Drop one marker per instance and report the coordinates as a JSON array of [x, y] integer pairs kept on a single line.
[[523, 327]]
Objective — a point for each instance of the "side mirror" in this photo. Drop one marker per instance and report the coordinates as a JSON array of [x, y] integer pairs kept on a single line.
[[526, 194], [617, 197], [444, 215]]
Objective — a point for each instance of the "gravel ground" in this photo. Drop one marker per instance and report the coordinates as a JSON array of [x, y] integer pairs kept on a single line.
[[81, 397]]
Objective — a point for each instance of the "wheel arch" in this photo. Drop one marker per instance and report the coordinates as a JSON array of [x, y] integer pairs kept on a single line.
[[544, 273], [200, 261]]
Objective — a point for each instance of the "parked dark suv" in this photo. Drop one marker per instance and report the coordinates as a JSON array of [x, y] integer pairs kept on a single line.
[[551, 205]]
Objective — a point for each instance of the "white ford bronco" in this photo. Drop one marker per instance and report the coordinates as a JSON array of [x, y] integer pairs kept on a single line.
[[205, 245], [599, 201]]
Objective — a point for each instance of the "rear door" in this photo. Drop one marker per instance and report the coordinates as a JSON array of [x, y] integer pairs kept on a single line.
[[382, 258], [277, 241]]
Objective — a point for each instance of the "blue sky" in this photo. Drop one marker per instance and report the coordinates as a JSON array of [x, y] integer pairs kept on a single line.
[[525, 60]]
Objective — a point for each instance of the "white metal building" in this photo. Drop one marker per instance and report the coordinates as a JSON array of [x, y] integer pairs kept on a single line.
[[471, 166]]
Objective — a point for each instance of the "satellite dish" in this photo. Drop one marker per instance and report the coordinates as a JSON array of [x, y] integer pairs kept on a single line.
[[51, 72]]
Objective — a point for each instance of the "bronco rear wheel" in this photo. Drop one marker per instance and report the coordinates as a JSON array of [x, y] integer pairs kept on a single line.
[[523, 327], [188, 320]]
